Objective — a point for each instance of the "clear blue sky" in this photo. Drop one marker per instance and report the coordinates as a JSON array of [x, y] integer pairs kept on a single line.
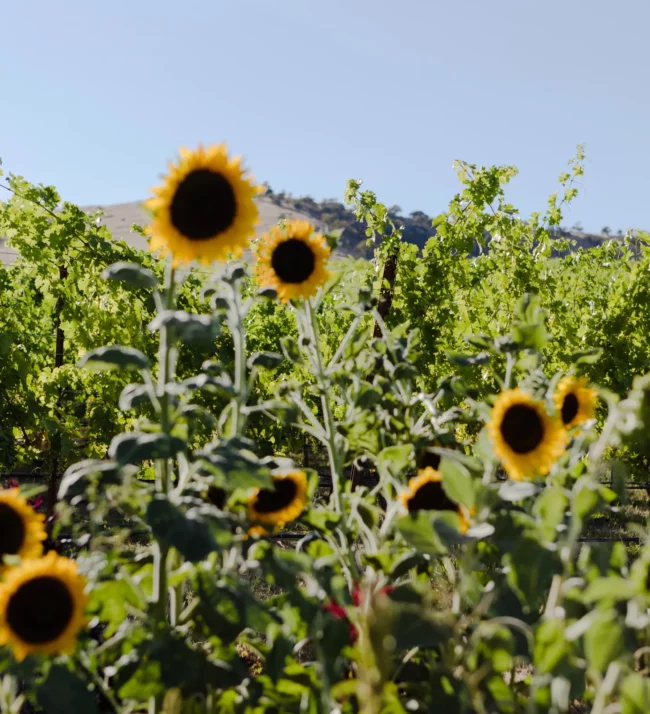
[[95, 96]]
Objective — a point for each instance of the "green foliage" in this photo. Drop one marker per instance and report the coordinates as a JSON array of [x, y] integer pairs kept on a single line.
[[376, 609]]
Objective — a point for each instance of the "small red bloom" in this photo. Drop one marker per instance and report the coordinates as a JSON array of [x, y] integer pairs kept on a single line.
[[340, 613]]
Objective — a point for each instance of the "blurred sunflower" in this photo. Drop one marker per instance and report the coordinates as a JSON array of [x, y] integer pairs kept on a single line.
[[217, 497], [425, 493], [21, 529], [282, 503], [575, 401], [204, 209], [292, 259], [526, 439], [42, 606]]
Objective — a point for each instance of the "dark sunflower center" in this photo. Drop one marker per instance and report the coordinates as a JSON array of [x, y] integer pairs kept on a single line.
[[40, 610], [293, 261], [431, 497], [429, 458], [204, 205], [569, 408], [271, 500], [522, 428], [217, 497], [12, 530]]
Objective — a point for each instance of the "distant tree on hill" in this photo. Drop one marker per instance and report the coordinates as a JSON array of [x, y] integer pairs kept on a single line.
[[577, 227], [606, 230]]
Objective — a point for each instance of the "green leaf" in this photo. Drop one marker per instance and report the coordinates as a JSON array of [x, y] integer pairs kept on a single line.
[[457, 482], [550, 507], [187, 532], [612, 587], [130, 274], [466, 360], [551, 646], [133, 395], [135, 447], [585, 498], [75, 475], [587, 356], [405, 563], [516, 490], [186, 326], [635, 694], [604, 641], [419, 532], [110, 601], [416, 627], [267, 360], [63, 692], [236, 469], [114, 357], [394, 460]]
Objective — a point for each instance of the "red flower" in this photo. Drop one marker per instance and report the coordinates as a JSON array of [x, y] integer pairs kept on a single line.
[[340, 613]]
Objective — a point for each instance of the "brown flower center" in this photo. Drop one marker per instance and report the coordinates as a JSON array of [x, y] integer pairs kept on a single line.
[[204, 205], [12, 530], [40, 610], [569, 408], [522, 428], [271, 500], [431, 497], [293, 261]]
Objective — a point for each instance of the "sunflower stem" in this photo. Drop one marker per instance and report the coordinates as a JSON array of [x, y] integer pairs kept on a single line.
[[165, 374], [239, 343], [333, 450]]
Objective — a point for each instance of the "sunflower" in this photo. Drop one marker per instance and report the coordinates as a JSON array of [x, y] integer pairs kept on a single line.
[[575, 401], [526, 439], [425, 493], [42, 606], [21, 529], [204, 209], [292, 259], [282, 503]]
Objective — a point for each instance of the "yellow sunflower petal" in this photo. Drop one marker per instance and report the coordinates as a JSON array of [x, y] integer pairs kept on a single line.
[[292, 260], [42, 605], [282, 504], [425, 492], [204, 210], [23, 530], [525, 438], [575, 401]]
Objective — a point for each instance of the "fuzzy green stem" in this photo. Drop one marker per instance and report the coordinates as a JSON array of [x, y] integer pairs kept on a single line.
[[333, 451], [160, 594], [238, 418]]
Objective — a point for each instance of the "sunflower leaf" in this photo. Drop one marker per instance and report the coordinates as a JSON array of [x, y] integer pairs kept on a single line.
[[187, 326], [114, 357], [267, 360], [134, 447], [516, 490], [63, 692], [187, 532], [130, 274]]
